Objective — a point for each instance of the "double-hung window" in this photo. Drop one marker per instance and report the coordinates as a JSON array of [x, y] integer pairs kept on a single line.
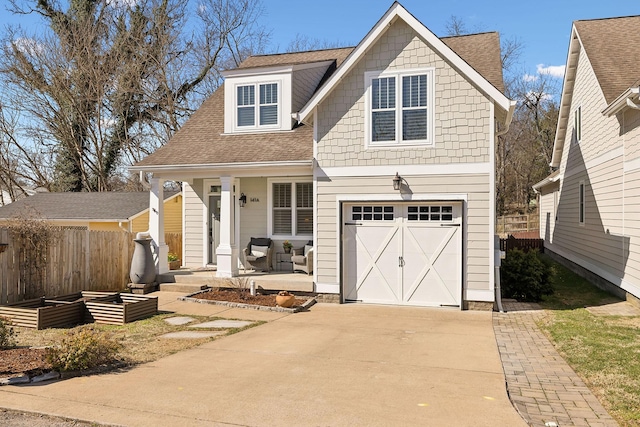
[[292, 209], [265, 113], [399, 107]]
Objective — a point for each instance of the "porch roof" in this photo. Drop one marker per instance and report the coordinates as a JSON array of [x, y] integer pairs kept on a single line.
[[201, 141]]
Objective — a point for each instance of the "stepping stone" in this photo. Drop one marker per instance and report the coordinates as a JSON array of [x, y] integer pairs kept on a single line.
[[223, 324], [177, 321], [191, 335]]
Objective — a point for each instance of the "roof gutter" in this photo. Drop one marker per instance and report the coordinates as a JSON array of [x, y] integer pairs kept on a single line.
[[624, 100], [221, 166], [507, 121], [554, 177]]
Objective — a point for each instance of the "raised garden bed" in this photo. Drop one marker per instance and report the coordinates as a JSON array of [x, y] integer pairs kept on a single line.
[[81, 307], [41, 313], [120, 308]]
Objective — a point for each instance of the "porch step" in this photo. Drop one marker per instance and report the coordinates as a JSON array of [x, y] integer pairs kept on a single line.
[[197, 280], [187, 288]]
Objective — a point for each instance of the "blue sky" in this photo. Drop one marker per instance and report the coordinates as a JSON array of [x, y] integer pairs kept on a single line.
[[543, 27]]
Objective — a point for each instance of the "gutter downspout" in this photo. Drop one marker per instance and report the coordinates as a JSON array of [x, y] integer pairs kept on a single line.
[[498, 254], [496, 243]]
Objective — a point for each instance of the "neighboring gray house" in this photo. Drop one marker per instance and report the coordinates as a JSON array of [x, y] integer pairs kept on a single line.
[[104, 211], [317, 142], [590, 205]]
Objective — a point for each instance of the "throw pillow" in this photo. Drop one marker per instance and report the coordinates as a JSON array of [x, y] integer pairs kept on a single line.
[[259, 251]]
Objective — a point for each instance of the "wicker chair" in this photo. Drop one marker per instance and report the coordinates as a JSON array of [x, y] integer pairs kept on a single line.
[[302, 258], [258, 254]]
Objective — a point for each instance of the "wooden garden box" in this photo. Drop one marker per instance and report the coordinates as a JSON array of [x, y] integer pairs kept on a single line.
[[120, 308], [41, 313]]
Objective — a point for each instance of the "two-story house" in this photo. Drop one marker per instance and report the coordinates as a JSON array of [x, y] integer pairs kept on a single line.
[[380, 157], [590, 204]]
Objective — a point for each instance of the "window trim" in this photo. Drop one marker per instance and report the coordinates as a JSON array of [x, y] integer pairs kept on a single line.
[[294, 208], [577, 123], [399, 109], [581, 203], [256, 106]]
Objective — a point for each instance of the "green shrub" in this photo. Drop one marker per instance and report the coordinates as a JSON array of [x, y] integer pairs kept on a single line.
[[83, 349], [6, 334], [524, 276]]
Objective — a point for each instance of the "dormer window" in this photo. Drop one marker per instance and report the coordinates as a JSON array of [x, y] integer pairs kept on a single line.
[[265, 113]]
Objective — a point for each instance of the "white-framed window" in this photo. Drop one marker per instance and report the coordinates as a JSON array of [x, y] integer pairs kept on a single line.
[[581, 203], [256, 112], [291, 209], [577, 123], [399, 107]]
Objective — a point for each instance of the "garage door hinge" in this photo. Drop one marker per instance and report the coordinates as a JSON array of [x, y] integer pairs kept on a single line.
[[352, 223], [449, 225]]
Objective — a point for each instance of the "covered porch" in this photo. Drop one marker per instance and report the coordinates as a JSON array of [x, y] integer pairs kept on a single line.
[[224, 210]]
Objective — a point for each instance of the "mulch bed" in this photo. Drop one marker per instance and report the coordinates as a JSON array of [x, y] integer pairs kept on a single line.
[[32, 361], [242, 297]]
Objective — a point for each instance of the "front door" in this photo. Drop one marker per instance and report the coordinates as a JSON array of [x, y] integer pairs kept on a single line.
[[214, 227]]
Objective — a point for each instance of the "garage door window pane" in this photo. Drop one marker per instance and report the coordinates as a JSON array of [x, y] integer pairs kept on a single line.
[[372, 213]]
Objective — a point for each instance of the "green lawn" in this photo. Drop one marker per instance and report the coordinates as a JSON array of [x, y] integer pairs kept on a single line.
[[603, 350]]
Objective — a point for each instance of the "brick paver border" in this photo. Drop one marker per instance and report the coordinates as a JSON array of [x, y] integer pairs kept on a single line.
[[541, 385]]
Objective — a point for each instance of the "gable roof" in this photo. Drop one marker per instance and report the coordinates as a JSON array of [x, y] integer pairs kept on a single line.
[[396, 11], [202, 143], [611, 47], [83, 206]]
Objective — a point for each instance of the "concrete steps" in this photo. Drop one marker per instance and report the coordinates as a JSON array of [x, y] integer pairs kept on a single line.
[[185, 280]]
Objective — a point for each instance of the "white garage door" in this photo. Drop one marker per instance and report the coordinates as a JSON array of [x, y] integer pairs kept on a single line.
[[408, 254]]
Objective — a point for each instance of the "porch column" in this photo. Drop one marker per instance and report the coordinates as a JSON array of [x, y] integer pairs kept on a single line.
[[227, 251], [156, 225]]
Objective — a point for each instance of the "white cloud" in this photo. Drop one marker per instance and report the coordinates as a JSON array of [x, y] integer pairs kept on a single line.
[[551, 70], [28, 46], [530, 78]]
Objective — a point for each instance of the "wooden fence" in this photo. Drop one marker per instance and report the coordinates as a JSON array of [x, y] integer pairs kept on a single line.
[[510, 224], [522, 244], [77, 260], [174, 241]]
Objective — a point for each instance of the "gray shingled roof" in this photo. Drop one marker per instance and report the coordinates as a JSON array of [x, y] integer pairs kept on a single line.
[[81, 206], [612, 46], [201, 140]]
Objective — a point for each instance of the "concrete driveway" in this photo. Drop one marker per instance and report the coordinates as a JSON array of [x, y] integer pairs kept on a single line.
[[336, 365]]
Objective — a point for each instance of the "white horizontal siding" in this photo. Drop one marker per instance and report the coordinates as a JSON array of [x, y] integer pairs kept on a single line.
[[193, 224]]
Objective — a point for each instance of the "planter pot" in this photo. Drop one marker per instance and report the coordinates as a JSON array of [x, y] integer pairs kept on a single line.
[[143, 269], [174, 265], [285, 301], [287, 250]]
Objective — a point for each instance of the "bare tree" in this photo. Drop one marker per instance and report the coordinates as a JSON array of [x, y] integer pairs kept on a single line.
[[109, 81], [303, 43]]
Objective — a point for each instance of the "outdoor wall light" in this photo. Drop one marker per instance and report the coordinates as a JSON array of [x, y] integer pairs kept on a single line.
[[242, 200], [397, 182], [3, 247]]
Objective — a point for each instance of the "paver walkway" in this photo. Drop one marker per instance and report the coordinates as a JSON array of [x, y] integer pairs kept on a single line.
[[541, 385]]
